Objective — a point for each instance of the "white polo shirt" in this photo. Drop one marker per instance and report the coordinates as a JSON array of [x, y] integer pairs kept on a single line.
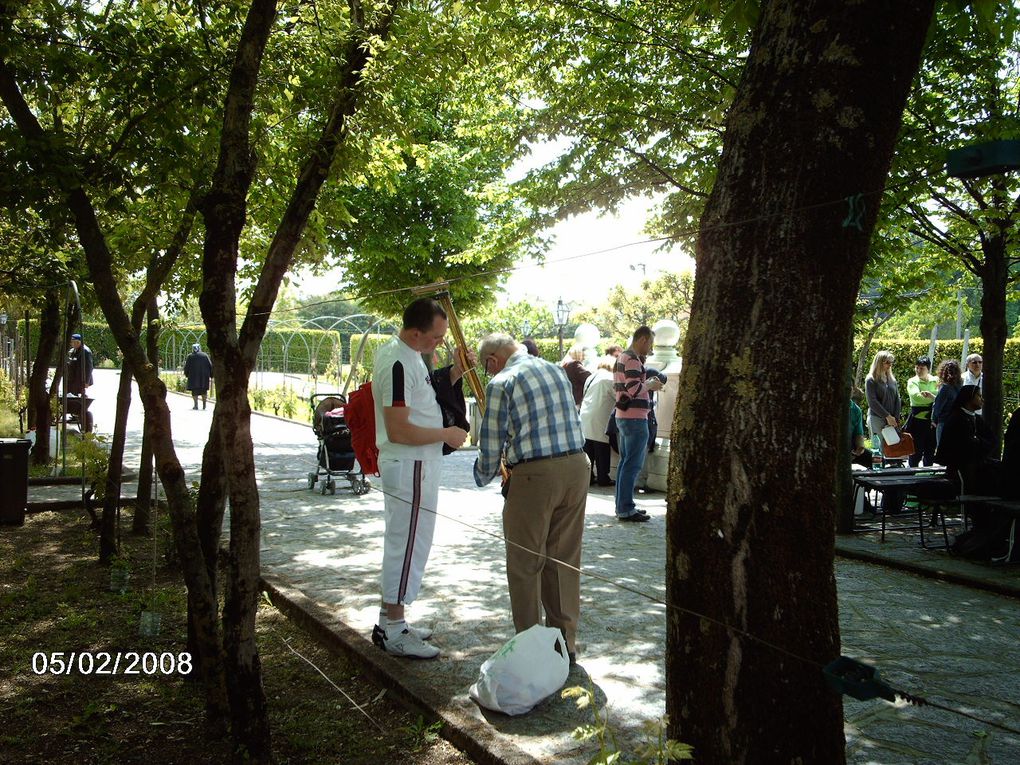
[[400, 378]]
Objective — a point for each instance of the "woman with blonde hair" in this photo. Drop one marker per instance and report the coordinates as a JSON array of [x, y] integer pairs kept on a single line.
[[883, 393]]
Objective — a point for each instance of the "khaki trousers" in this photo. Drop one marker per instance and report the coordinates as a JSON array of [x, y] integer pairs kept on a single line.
[[544, 512]]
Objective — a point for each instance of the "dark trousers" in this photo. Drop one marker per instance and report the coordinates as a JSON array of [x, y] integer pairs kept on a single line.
[[598, 454], [924, 442]]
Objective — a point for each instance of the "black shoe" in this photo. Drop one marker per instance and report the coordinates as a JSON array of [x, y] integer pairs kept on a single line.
[[636, 518], [607, 482], [378, 637]]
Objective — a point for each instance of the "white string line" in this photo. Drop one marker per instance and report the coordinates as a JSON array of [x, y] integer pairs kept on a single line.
[[312, 664]]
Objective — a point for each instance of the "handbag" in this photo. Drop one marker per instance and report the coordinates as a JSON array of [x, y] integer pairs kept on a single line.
[[902, 448]]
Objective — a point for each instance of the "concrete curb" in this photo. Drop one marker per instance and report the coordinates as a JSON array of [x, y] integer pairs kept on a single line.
[[930, 572], [470, 735]]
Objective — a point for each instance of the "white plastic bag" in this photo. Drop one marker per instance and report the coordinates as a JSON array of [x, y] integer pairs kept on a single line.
[[524, 671]]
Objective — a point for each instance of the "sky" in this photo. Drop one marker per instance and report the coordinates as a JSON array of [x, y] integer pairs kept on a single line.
[[589, 254], [579, 278]]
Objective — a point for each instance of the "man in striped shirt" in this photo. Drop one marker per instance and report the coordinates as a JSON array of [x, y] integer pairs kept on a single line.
[[531, 422], [633, 402]]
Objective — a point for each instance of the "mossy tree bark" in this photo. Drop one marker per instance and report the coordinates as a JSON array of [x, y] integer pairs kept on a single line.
[[779, 260]]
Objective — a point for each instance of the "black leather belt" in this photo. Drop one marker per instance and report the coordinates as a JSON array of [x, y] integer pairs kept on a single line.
[[547, 457]]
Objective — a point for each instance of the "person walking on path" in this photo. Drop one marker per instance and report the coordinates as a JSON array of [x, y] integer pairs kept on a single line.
[[531, 421], [198, 370], [79, 366], [632, 406], [410, 437], [79, 380]]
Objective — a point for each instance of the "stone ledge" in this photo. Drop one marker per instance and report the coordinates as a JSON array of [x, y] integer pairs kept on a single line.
[[460, 728]]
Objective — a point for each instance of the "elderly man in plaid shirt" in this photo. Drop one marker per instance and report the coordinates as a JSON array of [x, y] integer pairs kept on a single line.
[[531, 422]]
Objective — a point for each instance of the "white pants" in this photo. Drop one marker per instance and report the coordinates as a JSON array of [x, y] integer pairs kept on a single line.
[[411, 495]]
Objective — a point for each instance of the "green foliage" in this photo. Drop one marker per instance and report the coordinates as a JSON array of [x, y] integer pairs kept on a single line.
[[174, 381], [656, 750], [423, 734], [512, 319], [92, 452], [668, 296], [281, 401], [937, 231], [9, 405], [364, 371]]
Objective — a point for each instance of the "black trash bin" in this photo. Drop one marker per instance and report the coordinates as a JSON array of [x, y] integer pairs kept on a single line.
[[14, 480]]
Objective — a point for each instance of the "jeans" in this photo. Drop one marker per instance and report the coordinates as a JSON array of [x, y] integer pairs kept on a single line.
[[633, 441]]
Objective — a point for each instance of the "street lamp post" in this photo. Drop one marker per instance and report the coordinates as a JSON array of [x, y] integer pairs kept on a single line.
[[562, 316]]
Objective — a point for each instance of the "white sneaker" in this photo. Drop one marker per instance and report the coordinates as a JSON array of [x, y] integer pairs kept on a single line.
[[378, 635], [410, 645]]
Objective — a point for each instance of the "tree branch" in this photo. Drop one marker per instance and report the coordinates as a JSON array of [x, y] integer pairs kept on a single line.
[[313, 175]]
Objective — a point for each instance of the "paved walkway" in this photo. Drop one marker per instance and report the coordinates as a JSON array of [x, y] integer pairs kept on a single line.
[[950, 643]]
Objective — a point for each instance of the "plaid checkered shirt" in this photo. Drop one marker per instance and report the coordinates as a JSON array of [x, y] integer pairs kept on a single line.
[[529, 413]]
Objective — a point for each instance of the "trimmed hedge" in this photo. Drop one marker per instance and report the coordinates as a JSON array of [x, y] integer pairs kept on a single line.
[[302, 345], [906, 352]]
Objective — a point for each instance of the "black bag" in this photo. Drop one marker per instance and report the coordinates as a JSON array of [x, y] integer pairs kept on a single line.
[[612, 431]]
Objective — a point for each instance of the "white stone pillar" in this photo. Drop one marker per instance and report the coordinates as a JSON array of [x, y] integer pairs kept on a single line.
[[665, 359], [587, 336]]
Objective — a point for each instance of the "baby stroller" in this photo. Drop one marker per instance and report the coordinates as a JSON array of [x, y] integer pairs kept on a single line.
[[335, 455]]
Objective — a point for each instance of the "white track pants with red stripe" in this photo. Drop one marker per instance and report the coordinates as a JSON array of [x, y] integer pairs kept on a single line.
[[412, 493]]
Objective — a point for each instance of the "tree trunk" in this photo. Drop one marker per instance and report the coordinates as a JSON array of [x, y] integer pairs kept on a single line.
[[115, 468], [212, 501], [143, 500], [994, 332], [782, 247], [38, 396]]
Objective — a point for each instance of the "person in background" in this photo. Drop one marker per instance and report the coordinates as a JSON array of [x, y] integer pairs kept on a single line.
[[614, 350], [79, 380], [573, 365], [884, 409], [974, 374], [410, 435], [950, 382], [530, 420], [921, 390], [860, 454], [633, 392], [79, 366], [883, 394], [596, 407], [967, 445], [198, 369], [532, 346]]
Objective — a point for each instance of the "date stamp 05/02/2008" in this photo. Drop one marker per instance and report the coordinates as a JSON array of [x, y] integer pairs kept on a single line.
[[111, 663]]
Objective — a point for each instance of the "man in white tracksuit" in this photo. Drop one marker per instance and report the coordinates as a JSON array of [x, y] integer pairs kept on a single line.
[[410, 436]]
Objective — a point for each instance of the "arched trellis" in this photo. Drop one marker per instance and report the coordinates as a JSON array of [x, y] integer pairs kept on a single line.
[[177, 345]]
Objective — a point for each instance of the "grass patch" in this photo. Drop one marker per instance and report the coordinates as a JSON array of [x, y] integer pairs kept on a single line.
[[54, 596]]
